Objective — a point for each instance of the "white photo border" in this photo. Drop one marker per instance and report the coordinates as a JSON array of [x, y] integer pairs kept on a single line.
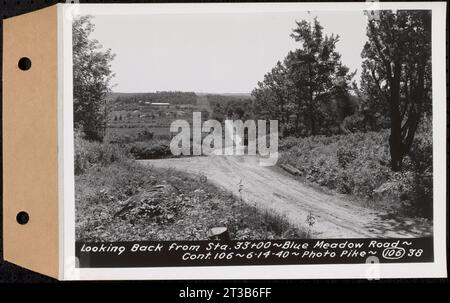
[[68, 262]]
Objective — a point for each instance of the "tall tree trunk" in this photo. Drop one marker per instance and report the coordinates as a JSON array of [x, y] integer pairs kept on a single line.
[[395, 144], [413, 119], [395, 138]]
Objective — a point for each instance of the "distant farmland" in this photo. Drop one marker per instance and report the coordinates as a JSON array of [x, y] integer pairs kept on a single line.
[[133, 113]]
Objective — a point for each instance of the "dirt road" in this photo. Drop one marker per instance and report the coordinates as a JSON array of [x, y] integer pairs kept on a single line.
[[273, 189]]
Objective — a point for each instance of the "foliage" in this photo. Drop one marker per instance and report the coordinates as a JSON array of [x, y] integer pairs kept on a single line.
[[359, 164], [125, 201], [287, 143], [308, 93], [396, 76], [94, 154], [421, 157], [92, 75], [154, 149], [233, 110], [135, 134], [230, 107]]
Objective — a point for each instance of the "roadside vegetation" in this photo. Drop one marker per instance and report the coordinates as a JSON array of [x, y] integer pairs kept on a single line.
[[120, 200], [358, 164]]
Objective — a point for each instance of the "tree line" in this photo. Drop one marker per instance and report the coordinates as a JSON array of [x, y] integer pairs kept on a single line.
[[172, 97], [311, 92]]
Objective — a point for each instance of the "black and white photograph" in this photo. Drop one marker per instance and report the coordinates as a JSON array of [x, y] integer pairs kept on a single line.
[[254, 125], [250, 144], [353, 106]]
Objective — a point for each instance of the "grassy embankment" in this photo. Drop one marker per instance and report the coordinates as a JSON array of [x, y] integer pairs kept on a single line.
[[358, 165]]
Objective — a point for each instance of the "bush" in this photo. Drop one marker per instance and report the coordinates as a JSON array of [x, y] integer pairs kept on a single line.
[[144, 135], [351, 164], [421, 156], [354, 122], [150, 150], [421, 153], [89, 154], [287, 143]]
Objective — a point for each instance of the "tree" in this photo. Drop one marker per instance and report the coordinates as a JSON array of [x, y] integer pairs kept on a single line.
[[92, 75], [307, 86], [272, 94], [396, 76], [321, 71]]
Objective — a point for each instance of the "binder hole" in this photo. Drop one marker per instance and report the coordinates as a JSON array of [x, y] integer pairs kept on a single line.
[[24, 63], [22, 218]]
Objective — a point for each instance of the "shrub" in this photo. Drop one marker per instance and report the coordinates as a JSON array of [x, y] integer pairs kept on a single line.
[[118, 136], [421, 155], [359, 164], [89, 154], [354, 122], [144, 135], [412, 188], [287, 143], [150, 150], [351, 164], [345, 156]]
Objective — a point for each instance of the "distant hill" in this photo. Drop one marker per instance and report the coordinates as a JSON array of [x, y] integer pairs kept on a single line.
[[233, 95], [130, 101], [173, 97], [113, 95]]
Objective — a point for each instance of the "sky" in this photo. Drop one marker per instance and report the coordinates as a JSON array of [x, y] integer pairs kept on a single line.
[[213, 53]]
